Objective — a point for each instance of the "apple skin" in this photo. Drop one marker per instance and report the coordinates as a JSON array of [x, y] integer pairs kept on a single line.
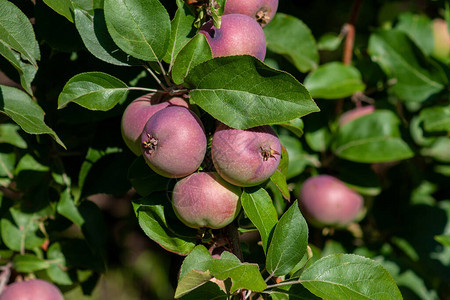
[[355, 113], [206, 200], [262, 11], [327, 201], [245, 157], [177, 142], [35, 289], [137, 114], [441, 49], [238, 35]]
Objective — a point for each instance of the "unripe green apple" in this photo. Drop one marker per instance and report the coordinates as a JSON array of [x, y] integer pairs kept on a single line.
[[327, 201], [206, 200], [35, 289]]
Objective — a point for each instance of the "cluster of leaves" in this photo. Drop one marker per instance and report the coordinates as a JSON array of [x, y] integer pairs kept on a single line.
[[51, 229]]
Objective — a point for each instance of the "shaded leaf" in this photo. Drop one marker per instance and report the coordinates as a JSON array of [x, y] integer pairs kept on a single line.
[[415, 79], [295, 126], [92, 28], [144, 180], [330, 41], [21, 230], [62, 7], [9, 133], [25, 112], [159, 223], [26, 71], [443, 239], [66, 207], [436, 118], [334, 80], [194, 279], [57, 270], [290, 37], [372, 138], [419, 29]]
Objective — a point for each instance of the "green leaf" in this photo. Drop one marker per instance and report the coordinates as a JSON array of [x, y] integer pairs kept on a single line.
[[295, 126], [16, 32], [259, 208], [288, 244], [256, 95], [298, 158], [25, 112], [93, 156], [290, 37], [9, 133], [159, 223], [7, 162], [293, 292], [279, 179], [21, 230], [194, 279], [198, 259], [62, 7], [415, 79], [348, 276], [92, 28], [207, 291], [140, 28], [28, 263], [359, 177], [372, 138], [243, 275], [66, 207], [57, 270], [330, 41], [334, 80], [182, 31], [195, 52], [26, 71], [443, 239], [144, 180], [436, 118], [439, 150], [419, 29], [94, 91], [94, 227]]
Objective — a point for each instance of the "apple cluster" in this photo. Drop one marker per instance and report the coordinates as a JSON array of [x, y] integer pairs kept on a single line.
[[173, 141]]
